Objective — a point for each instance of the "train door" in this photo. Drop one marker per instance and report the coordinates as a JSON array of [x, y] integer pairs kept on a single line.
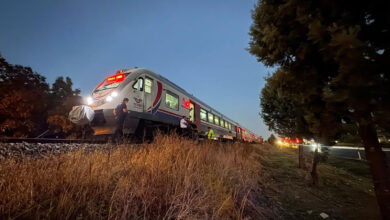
[[238, 133], [148, 93], [192, 112], [196, 114]]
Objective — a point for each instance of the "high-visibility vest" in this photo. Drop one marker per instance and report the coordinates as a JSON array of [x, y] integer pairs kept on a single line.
[[211, 134]]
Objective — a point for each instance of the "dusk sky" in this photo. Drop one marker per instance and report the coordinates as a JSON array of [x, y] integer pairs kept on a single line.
[[199, 45]]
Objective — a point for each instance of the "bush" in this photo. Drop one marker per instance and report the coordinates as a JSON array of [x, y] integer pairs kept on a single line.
[[271, 139]]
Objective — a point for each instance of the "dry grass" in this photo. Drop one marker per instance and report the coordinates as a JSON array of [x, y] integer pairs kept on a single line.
[[344, 192], [168, 179]]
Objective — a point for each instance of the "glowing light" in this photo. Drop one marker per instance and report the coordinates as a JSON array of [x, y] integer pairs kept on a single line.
[[316, 145], [119, 77], [109, 99], [89, 100], [187, 103], [114, 94]]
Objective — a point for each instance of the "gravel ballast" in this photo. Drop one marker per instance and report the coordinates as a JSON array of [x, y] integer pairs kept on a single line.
[[42, 149]]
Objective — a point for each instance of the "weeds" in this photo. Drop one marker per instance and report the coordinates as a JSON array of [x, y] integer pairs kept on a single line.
[[168, 179]]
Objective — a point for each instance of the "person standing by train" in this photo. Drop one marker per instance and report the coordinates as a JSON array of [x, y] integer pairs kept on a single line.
[[210, 134], [120, 113], [185, 126]]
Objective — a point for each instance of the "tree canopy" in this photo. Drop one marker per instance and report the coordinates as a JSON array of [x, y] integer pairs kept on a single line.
[[331, 70], [28, 105]]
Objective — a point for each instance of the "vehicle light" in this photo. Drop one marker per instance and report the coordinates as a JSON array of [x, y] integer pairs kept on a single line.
[[114, 94], [89, 100], [118, 77], [187, 103], [109, 99], [316, 145]]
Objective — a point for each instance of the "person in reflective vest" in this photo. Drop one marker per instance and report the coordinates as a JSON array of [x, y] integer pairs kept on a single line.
[[210, 134]]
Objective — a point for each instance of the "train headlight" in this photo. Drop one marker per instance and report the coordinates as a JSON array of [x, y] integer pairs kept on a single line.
[[89, 100], [109, 99], [114, 94]]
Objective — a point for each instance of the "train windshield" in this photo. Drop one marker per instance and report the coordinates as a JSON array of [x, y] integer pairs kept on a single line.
[[110, 82]]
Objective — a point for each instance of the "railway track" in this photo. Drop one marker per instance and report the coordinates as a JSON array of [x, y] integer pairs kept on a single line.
[[39, 147], [52, 140]]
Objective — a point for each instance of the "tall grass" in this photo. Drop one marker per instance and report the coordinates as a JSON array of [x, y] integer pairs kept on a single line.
[[168, 179]]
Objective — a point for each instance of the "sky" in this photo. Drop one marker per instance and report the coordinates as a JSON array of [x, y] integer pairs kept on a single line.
[[198, 44]]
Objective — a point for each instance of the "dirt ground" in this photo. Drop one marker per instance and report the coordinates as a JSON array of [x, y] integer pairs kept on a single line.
[[345, 189]]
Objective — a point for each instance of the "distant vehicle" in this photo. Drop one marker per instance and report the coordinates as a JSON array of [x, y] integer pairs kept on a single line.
[[289, 142], [156, 102]]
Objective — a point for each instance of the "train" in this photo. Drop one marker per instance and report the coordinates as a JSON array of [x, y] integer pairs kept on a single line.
[[156, 102]]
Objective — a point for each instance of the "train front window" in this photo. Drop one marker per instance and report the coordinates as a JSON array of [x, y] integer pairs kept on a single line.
[[139, 84], [110, 82], [105, 86]]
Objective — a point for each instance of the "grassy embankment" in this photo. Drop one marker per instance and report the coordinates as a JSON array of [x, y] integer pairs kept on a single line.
[[168, 179], [345, 190], [178, 179]]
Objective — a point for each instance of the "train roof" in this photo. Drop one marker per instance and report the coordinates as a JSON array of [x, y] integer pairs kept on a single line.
[[170, 83]]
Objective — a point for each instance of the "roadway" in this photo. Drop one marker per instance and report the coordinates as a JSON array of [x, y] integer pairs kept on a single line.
[[351, 152]]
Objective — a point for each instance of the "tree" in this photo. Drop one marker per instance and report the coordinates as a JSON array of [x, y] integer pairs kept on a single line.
[[23, 100], [281, 113], [334, 55], [271, 139], [63, 98]]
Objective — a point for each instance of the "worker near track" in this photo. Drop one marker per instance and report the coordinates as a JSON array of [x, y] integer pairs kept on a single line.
[[185, 126], [210, 134], [120, 113]]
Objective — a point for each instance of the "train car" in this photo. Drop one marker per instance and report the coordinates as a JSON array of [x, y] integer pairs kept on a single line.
[[154, 101]]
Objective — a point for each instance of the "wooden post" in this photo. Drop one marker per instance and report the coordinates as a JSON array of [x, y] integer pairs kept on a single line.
[[314, 174]]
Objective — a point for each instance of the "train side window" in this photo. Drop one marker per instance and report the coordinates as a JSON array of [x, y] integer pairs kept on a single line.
[[216, 120], [222, 123], [172, 100], [211, 117], [230, 126], [148, 85], [139, 84], [203, 115]]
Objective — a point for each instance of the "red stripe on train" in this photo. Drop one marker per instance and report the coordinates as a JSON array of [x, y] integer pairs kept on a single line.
[[159, 91]]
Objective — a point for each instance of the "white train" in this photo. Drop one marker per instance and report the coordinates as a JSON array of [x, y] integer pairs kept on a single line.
[[156, 102]]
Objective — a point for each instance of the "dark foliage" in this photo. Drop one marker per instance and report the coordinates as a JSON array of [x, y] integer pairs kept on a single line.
[[333, 56], [28, 106]]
